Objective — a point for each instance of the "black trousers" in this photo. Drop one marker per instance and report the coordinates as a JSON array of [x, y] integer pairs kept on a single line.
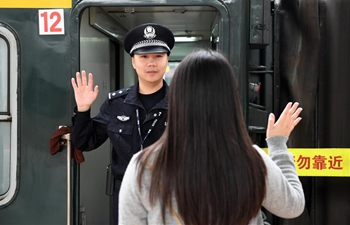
[[117, 184]]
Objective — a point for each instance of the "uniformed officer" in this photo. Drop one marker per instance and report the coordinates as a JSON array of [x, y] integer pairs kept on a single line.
[[134, 117]]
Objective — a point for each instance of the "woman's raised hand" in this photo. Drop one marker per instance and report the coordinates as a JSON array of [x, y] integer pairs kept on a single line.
[[286, 122], [84, 92]]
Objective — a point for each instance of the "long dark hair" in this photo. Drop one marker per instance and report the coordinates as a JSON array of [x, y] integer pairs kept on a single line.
[[205, 157]]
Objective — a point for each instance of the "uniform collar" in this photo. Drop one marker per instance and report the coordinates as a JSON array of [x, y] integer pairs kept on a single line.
[[133, 97]]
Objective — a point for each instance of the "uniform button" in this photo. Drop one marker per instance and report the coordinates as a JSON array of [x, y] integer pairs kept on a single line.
[[155, 114], [120, 130]]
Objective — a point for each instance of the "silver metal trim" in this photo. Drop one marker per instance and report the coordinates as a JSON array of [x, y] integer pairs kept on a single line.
[[69, 193]]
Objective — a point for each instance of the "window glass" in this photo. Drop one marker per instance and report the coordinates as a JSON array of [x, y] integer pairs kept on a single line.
[[4, 157], [3, 76], [8, 120]]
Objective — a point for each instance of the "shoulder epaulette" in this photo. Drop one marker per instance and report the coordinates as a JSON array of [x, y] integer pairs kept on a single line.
[[121, 92]]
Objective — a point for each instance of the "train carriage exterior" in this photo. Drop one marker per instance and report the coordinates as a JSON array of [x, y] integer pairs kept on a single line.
[[281, 50]]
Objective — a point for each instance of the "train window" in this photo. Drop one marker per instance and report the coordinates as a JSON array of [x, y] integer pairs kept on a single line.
[[4, 126], [8, 115], [4, 158], [3, 76]]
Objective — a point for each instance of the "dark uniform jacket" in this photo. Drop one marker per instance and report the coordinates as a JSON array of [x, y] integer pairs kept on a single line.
[[117, 121]]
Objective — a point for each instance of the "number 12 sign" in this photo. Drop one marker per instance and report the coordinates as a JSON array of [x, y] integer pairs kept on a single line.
[[51, 21]]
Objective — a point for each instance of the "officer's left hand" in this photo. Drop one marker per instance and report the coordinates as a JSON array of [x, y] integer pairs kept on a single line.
[[84, 92]]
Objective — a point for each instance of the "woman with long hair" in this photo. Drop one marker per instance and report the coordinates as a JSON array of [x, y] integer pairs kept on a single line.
[[205, 169]]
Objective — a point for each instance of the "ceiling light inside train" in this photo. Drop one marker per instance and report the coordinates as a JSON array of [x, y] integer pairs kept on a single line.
[[188, 39]]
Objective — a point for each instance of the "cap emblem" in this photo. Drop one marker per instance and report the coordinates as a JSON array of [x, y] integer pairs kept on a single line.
[[149, 32]]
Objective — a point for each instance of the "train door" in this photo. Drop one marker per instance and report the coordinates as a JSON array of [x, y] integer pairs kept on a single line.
[[98, 29], [95, 57]]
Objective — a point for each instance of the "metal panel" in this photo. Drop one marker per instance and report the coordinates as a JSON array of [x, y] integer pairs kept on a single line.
[[298, 48], [43, 100], [260, 24], [333, 195], [314, 63], [95, 59]]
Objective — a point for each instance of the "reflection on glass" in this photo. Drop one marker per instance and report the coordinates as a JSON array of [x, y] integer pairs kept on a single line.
[[3, 75], [4, 157]]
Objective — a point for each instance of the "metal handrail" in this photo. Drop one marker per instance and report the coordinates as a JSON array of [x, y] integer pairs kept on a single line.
[[67, 137]]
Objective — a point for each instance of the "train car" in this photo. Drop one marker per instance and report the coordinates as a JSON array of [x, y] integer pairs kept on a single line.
[[281, 50]]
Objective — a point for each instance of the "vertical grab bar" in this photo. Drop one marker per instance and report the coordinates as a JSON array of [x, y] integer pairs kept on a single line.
[[69, 193]]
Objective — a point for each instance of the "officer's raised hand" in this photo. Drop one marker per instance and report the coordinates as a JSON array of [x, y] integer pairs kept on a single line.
[[286, 122], [84, 92]]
